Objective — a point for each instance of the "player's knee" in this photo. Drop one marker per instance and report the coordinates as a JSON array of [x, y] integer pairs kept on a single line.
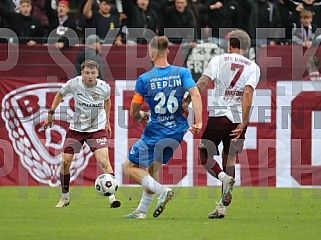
[[67, 158], [66, 164], [126, 167]]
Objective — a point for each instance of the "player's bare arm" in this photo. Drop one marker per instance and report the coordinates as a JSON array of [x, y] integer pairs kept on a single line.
[[202, 82], [246, 110], [135, 111], [107, 104], [48, 121], [197, 107]]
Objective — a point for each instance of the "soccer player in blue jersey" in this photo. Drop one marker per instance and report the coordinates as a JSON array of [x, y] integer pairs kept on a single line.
[[163, 88]]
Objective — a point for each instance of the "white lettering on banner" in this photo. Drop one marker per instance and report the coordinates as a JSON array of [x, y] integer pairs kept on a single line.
[[198, 60], [291, 164], [121, 133], [261, 113], [293, 121], [37, 149], [316, 139]]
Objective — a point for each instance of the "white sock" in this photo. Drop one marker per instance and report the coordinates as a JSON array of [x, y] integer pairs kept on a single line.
[[221, 175], [65, 195], [145, 202], [111, 198], [152, 185]]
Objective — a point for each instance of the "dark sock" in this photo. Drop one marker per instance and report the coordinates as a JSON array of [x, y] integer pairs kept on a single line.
[[210, 164], [212, 167], [216, 169], [65, 179]]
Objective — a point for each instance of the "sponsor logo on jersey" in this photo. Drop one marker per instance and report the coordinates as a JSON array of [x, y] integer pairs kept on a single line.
[[40, 151]]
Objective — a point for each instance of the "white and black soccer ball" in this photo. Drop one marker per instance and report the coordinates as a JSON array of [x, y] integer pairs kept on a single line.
[[106, 184]]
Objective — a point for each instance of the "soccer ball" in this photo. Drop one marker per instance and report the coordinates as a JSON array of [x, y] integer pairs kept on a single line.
[[106, 184]]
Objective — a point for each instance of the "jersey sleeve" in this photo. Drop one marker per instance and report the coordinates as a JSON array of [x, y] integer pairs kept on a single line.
[[139, 87], [254, 77], [138, 99], [67, 87], [107, 91], [188, 81], [212, 68]]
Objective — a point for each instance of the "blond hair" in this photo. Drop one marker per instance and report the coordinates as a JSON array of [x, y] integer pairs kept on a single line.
[[306, 14], [159, 43]]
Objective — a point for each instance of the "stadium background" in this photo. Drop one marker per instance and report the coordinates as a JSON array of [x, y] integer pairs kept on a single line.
[[283, 139]]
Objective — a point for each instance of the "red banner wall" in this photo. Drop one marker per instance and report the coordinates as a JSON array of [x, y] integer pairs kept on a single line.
[[28, 156]]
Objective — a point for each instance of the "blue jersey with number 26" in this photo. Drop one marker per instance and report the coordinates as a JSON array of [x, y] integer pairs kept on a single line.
[[163, 89]]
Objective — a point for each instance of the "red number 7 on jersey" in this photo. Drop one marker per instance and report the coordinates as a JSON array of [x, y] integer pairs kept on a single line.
[[237, 70]]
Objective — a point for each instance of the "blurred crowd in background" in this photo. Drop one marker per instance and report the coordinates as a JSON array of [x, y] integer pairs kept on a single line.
[[63, 23]]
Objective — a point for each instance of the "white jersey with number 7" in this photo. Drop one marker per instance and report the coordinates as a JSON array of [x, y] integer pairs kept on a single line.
[[230, 73]]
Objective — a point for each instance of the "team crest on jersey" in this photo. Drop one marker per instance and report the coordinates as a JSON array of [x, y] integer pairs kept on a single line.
[[40, 151], [95, 96]]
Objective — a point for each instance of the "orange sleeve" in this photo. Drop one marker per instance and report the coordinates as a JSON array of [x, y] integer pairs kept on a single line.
[[138, 98]]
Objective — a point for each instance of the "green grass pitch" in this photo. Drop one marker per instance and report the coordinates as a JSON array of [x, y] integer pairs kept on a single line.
[[255, 213]]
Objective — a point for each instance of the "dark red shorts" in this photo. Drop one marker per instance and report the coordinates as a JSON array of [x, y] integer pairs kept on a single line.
[[95, 140], [218, 130]]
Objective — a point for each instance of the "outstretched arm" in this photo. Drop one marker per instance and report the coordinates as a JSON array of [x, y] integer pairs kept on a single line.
[[48, 121], [135, 111], [202, 82], [107, 110], [197, 107], [247, 104]]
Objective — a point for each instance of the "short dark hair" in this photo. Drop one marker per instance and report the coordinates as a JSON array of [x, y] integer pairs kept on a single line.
[[239, 39], [107, 1], [89, 64]]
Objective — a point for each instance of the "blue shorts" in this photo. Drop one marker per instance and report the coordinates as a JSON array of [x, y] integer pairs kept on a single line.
[[161, 149]]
